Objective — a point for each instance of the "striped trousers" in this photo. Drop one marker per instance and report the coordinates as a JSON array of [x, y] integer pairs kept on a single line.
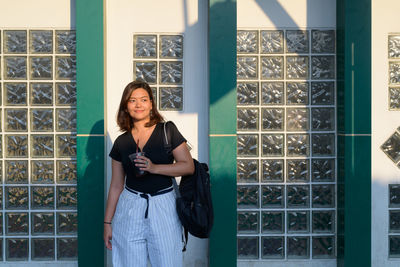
[[157, 237]]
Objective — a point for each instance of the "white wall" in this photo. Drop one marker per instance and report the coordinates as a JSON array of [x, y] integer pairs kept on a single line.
[[261, 14], [188, 17], [385, 20]]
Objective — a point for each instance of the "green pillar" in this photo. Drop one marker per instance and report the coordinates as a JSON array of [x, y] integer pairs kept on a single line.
[[354, 132], [222, 84], [90, 131]]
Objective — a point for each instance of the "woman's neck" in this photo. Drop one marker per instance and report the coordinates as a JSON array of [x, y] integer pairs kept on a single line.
[[140, 125]]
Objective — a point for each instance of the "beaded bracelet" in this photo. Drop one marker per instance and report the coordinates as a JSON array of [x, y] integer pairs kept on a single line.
[[107, 222]]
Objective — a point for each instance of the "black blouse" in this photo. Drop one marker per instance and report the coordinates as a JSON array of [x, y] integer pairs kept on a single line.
[[125, 145]]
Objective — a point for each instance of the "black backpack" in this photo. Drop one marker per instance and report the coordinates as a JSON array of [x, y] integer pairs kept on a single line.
[[193, 198]]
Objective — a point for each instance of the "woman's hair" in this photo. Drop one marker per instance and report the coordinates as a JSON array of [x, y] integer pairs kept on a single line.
[[124, 120]]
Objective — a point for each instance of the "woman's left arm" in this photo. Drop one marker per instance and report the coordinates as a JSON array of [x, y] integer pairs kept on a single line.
[[183, 164]]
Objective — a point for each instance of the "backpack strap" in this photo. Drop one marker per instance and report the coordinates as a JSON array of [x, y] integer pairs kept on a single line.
[[167, 148]]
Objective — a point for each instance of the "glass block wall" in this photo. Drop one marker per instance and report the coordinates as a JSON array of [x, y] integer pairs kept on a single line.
[[158, 60], [38, 194], [286, 137]]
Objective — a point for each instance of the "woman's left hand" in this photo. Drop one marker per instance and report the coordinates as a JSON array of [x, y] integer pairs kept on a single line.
[[144, 164]]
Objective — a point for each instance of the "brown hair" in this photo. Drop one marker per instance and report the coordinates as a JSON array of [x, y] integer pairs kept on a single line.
[[124, 120]]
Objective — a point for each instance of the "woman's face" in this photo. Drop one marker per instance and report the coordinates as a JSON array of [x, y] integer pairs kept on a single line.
[[139, 105]]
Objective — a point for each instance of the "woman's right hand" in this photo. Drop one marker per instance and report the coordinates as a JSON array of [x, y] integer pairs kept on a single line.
[[107, 236]]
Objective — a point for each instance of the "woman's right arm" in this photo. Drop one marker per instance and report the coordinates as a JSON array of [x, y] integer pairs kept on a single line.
[[116, 187]]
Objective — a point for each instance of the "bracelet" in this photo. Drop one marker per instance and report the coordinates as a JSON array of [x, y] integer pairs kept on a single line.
[[107, 222]]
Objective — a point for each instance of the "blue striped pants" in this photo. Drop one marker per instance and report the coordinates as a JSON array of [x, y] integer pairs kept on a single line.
[[134, 237]]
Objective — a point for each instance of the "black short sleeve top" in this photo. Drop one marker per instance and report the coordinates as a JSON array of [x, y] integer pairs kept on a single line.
[[125, 145]]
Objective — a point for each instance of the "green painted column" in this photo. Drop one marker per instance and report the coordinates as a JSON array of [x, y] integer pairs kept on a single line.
[[90, 131], [222, 85], [354, 132]]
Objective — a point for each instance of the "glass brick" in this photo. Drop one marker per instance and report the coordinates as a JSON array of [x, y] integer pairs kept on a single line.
[[272, 170], [297, 144], [298, 196], [248, 222], [65, 68], [145, 46], [323, 41], [42, 171], [391, 147], [273, 222], [272, 93], [171, 46], [297, 119], [323, 196], [41, 67], [16, 171], [271, 42], [66, 93], [297, 41], [42, 197], [247, 119], [41, 94], [171, 72], [298, 247], [17, 146], [323, 67], [67, 248], [247, 170], [272, 145], [15, 68], [394, 98], [298, 221], [323, 119], [247, 247], [273, 119], [171, 98], [15, 94], [66, 197], [1, 205], [322, 93], [247, 68], [16, 120], [42, 223], [66, 145], [323, 221], [16, 197], [1, 228], [323, 247], [297, 67], [42, 249], [17, 223], [14, 42], [65, 119], [42, 120], [272, 67], [394, 46], [42, 146], [247, 42], [323, 144], [394, 196], [66, 172], [146, 71], [273, 196], [17, 249], [394, 221], [273, 247], [394, 246], [41, 42], [247, 145], [247, 196], [247, 93], [1, 243], [394, 72], [323, 170], [297, 170], [67, 223], [66, 42], [297, 93]]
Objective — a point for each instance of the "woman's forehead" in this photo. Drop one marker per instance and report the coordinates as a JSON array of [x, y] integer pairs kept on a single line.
[[139, 93]]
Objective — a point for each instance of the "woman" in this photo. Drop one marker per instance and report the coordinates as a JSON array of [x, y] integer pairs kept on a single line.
[[145, 223]]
